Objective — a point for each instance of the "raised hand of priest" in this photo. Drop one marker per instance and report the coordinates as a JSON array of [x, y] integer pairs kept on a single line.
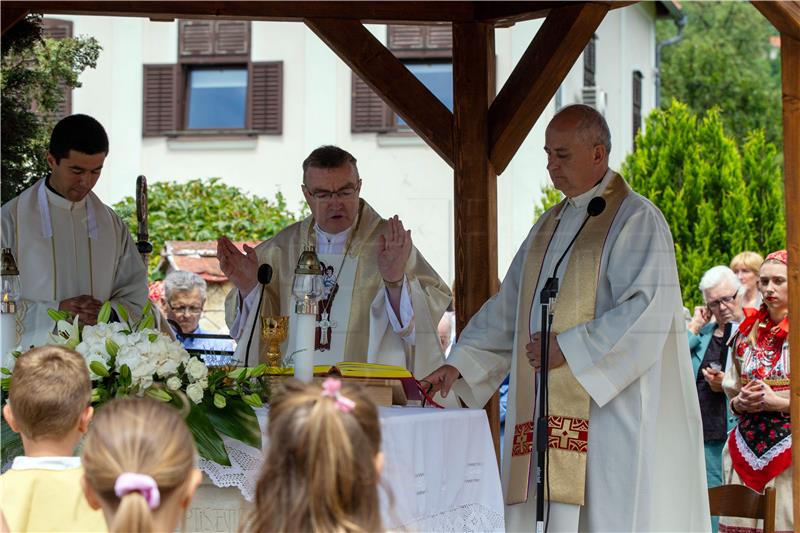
[[534, 349], [394, 248], [441, 380], [85, 306], [241, 268]]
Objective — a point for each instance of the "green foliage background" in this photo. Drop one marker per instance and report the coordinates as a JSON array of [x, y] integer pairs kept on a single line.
[[34, 71], [202, 210], [724, 61], [719, 199]]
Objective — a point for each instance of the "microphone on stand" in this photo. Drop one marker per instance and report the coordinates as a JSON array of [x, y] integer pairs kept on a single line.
[[547, 298], [264, 277]]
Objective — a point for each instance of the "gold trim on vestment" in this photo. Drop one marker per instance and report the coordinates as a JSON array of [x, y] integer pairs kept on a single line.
[[569, 403]]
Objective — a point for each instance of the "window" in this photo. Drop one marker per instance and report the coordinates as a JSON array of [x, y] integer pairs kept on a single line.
[[427, 51], [637, 103], [215, 87], [589, 63], [216, 98]]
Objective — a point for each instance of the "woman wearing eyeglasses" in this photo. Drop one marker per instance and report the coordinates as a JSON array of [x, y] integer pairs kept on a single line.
[[709, 332], [758, 452]]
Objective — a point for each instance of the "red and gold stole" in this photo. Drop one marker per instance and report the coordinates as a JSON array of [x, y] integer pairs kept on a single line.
[[569, 403]]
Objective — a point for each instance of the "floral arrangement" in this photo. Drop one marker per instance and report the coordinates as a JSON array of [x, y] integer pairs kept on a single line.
[[132, 358]]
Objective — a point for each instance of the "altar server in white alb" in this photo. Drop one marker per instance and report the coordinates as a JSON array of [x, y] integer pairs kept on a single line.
[[73, 252], [382, 301], [625, 442]]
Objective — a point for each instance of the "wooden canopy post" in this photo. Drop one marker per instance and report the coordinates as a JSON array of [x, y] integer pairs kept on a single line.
[[475, 181], [790, 73]]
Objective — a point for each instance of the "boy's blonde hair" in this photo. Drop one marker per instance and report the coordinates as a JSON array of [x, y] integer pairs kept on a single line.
[[141, 436], [319, 473], [49, 391], [748, 260]]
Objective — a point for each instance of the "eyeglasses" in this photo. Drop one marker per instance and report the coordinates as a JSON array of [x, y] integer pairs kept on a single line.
[[724, 300], [345, 193], [186, 310]]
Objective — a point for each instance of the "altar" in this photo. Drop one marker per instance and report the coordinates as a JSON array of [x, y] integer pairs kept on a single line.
[[440, 474]]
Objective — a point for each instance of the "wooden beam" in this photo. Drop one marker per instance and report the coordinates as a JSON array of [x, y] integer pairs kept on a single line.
[[11, 14], [535, 79], [784, 15], [790, 74], [393, 82], [475, 183], [503, 14], [390, 11]]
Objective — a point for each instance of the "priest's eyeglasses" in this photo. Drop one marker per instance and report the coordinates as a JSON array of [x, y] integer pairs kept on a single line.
[[345, 193], [724, 300], [186, 310]]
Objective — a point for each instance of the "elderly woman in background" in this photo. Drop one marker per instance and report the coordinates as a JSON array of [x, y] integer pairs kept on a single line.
[[759, 450], [745, 265], [709, 331]]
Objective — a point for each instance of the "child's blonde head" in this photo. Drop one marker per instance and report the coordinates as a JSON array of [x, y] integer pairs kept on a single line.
[[143, 437], [320, 471], [50, 390]]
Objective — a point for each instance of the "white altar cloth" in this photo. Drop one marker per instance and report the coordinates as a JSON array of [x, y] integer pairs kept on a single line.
[[440, 474]]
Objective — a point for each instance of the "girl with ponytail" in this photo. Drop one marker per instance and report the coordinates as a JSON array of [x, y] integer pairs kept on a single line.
[[139, 463], [323, 462]]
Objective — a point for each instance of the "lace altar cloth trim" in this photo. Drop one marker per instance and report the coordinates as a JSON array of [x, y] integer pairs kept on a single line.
[[472, 517]]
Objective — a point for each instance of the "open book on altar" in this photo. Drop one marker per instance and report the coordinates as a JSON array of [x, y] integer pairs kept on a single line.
[[385, 384]]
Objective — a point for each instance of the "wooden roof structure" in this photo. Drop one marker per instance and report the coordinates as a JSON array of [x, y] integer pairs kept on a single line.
[[480, 136]]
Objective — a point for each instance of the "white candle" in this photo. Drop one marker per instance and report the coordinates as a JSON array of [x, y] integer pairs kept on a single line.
[[305, 328]]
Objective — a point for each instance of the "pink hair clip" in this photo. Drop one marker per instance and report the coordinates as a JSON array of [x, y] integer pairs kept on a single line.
[[141, 483], [331, 388]]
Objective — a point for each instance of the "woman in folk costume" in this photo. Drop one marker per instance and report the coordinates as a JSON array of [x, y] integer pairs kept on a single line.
[[759, 449]]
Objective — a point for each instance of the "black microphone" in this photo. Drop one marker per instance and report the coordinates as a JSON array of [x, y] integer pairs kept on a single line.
[[264, 277], [596, 206]]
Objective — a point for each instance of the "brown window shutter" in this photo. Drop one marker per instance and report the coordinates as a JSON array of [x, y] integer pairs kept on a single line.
[[59, 29], [439, 37], [56, 29], [368, 112], [232, 37], [267, 97], [160, 103], [406, 37], [195, 38]]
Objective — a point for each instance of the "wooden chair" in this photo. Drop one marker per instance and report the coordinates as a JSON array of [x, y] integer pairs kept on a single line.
[[742, 502]]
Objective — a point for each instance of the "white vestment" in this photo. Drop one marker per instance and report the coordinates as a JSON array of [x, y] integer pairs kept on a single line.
[[65, 249], [645, 464]]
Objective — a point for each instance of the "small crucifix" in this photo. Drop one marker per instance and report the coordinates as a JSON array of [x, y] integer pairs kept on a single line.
[[325, 326]]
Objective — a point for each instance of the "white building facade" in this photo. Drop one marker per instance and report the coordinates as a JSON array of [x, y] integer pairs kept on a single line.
[[247, 102]]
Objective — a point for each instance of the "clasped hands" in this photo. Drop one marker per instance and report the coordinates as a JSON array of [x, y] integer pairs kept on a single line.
[[85, 306], [394, 248], [756, 396]]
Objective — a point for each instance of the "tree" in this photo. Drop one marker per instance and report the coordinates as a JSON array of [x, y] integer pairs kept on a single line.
[[717, 200], [34, 73], [202, 210], [724, 60]]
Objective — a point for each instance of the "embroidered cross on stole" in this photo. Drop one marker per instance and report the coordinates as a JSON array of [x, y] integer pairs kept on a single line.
[[569, 403]]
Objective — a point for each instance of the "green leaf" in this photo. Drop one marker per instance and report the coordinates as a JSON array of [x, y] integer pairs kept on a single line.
[[5, 371], [219, 401], [237, 420], [147, 322], [237, 374], [104, 314], [96, 395], [112, 347], [253, 400], [99, 368], [122, 313], [158, 394], [5, 384], [152, 337], [57, 315], [209, 443]]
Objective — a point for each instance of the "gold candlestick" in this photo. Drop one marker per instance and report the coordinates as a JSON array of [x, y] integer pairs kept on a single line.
[[274, 330]]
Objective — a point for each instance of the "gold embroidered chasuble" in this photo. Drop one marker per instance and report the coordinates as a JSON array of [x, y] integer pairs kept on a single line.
[[364, 341]]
